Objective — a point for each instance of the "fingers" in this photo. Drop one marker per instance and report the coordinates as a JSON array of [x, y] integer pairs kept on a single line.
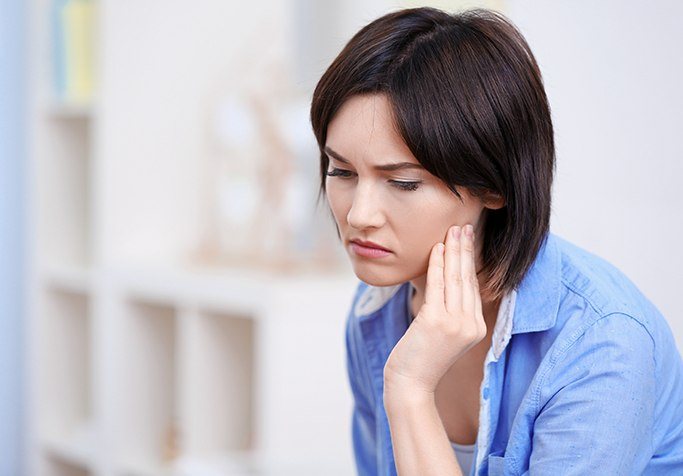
[[451, 275], [434, 294], [452, 271], [469, 273]]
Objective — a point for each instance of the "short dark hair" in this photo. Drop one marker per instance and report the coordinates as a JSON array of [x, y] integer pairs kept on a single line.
[[467, 98]]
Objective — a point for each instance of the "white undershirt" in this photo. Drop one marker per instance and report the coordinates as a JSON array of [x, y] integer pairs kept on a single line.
[[464, 455]]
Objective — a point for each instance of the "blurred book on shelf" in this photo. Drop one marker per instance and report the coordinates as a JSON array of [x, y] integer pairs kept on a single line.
[[73, 35]]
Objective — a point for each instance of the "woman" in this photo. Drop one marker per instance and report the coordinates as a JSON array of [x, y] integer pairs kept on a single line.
[[478, 342]]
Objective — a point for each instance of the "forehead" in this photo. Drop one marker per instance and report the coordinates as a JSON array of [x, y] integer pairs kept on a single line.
[[364, 127]]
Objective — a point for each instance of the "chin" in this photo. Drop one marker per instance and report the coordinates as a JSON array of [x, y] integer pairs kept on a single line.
[[379, 278]]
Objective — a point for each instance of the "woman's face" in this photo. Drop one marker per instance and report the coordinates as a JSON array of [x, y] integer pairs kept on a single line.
[[406, 210]]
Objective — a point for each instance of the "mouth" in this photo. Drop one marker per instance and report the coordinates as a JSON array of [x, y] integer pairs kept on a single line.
[[368, 249]]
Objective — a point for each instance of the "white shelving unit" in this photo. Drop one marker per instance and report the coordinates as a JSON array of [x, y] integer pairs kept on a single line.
[[140, 364]]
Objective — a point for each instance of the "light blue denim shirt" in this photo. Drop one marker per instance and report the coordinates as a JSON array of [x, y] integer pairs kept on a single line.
[[583, 376]]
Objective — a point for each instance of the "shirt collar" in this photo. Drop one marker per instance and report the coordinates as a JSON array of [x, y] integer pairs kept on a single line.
[[532, 306], [538, 294]]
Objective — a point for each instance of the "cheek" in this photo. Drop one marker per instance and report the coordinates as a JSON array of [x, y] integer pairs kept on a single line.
[[427, 218], [422, 227], [418, 232], [339, 204]]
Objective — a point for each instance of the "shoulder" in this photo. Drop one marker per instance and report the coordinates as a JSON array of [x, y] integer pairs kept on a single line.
[[603, 316], [601, 289]]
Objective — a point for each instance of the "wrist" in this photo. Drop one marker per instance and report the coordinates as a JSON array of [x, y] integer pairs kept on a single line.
[[401, 385], [398, 397]]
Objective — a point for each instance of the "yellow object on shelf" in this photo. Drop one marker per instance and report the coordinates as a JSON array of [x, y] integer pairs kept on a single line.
[[77, 20]]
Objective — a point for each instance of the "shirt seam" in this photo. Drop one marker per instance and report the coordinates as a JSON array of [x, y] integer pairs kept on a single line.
[[365, 363], [654, 342]]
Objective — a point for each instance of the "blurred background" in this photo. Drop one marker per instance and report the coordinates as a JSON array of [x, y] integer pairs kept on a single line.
[[172, 301]]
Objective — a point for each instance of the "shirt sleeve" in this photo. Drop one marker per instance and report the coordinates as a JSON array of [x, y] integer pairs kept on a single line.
[[363, 417], [598, 403]]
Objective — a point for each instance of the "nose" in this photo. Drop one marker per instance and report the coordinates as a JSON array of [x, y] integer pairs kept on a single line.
[[366, 209]]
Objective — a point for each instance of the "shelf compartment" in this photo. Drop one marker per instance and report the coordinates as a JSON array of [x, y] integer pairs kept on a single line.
[[218, 394], [65, 358], [148, 385], [63, 193]]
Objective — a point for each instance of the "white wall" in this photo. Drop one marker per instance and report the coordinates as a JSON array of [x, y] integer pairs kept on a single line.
[[612, 72]]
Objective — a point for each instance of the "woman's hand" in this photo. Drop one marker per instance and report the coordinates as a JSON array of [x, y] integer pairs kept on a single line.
[[449, 323]]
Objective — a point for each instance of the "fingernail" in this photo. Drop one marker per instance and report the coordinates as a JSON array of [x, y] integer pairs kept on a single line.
[[455, 232], [469, 230]]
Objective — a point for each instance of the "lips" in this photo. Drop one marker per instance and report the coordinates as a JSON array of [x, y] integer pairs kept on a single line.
[[369, 244], [368, 250]]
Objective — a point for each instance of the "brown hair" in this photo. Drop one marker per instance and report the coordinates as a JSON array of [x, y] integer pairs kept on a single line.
[[468, 100]]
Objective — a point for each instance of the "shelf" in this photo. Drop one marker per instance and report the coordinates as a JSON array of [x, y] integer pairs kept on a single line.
[[71, 111], [73, 279], [192, 373], [236, 291], [233, 464], [141, 361], [55, 466]]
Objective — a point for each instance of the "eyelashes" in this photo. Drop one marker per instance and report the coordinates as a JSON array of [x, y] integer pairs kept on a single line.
[[401, 185], [407, 186], [339, 173]]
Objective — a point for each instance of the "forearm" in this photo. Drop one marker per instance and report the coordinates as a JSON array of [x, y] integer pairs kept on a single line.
[[419, 440]]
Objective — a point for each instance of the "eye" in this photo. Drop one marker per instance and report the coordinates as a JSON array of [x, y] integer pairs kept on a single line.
[[401, 185], [338, 173], [407, 186]]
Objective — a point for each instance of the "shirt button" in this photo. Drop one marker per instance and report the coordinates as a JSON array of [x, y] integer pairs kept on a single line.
[[486, 393]]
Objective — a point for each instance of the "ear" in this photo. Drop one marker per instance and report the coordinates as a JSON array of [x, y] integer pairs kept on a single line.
[[493, 201]]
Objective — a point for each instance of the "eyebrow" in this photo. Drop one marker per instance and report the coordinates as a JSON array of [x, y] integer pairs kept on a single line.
[[385, 167]]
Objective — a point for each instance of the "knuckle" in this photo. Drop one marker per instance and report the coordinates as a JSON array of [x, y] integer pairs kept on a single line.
[[474, 334]]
